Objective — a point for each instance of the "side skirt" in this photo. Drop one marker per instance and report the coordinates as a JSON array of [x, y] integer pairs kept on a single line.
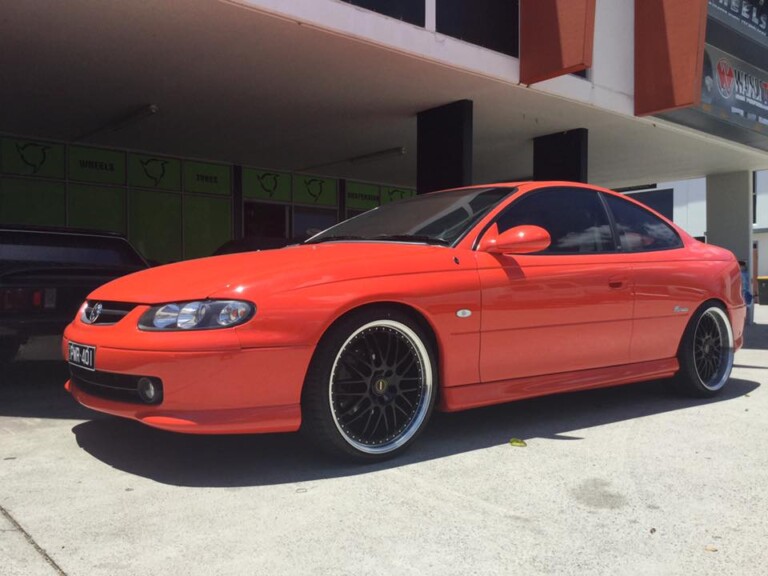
[[458, 398]]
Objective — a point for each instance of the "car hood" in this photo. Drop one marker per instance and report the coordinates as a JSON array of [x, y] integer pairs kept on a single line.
[[251, 274]]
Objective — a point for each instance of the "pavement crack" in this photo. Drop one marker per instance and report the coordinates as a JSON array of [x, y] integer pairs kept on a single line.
[[32, 542]]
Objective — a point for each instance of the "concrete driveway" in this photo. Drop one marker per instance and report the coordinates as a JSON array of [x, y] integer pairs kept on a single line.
[[630, 480]]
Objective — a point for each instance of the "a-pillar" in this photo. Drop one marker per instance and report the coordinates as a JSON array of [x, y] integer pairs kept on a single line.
[[561, 156], [444, 147]]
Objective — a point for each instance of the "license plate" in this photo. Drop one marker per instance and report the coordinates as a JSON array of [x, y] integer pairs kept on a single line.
[[82, 355]]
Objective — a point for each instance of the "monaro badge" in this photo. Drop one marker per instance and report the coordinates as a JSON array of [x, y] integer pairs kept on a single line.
[[95, 312]]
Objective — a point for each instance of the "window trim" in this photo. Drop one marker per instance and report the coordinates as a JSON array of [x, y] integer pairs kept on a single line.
[[609, 216], [635, 203]]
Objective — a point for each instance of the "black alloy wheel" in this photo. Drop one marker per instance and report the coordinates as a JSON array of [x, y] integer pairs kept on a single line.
[[371, 387], [706, 352]]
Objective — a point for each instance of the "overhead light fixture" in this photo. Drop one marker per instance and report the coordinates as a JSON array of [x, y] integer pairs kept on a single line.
[[121, 122], [380, 155], [362, 159]]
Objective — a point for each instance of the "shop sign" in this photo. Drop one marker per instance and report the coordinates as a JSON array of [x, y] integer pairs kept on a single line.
[[30, 158], [207, 178], [734, 91], [361, 196], [266, 185], [749, 17], [315, 191], [154, 172], [390, 194], [96, 165]]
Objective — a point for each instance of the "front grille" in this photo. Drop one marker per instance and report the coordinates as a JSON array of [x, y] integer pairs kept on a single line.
[[112, 386], [111, 312]]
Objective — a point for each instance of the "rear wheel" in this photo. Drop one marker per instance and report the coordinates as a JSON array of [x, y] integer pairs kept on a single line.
[[371, 386], [706, 353]]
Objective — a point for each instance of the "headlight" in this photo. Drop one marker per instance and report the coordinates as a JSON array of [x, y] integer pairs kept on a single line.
[[198, 315]]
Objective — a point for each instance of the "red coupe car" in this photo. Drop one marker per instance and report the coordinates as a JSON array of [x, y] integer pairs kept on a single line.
[[454, 299]]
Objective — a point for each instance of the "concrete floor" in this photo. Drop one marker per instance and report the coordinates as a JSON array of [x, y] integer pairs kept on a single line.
[[629, 480]]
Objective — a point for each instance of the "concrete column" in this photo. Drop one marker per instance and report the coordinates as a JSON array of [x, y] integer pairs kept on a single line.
[[561, 156], [729, 216], [729, 213], [444, 147]]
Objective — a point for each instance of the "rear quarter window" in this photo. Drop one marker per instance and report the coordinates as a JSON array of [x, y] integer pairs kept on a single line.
[[639, 230]]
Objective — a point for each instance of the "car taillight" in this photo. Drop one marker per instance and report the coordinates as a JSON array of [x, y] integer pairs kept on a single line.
[[17, 299]]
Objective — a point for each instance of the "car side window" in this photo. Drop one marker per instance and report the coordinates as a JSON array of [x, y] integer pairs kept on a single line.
[[639, 230], [574, 217]]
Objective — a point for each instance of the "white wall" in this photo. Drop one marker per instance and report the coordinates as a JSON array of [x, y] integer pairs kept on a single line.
[[762, 254], [690, 204], [761, 188], [761, 211], [611, 80]]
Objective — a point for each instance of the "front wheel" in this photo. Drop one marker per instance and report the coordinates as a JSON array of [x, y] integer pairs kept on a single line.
[[706, 353], [371, 386]]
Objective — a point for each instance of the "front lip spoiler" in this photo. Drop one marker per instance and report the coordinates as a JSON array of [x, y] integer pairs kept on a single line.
[[256, 420]]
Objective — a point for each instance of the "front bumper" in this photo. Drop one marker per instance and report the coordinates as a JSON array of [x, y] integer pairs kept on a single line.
[[240, 391], [738, 316]]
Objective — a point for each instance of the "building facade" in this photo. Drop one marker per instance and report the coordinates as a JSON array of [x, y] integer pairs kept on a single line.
[[184, 126]]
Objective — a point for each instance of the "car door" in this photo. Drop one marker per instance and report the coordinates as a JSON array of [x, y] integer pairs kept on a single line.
[[564, 309], [667, 283]]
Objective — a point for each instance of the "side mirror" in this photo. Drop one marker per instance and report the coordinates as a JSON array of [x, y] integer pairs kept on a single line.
[[517, 240]]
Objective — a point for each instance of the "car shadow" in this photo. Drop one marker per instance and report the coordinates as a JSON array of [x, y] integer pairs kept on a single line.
[[238, 461], [756, 337], [35, 389]]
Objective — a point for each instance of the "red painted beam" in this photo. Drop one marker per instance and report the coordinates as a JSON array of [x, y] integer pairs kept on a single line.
[[556, 38], [669, 54]]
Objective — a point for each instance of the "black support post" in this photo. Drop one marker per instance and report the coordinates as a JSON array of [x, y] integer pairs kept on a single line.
[[561, 156], [444, 148]]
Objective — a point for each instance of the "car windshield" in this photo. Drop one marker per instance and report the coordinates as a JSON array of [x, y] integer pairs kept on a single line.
[[437, 218]]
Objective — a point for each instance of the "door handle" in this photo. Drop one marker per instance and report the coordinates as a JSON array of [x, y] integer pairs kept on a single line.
[[616, 283]]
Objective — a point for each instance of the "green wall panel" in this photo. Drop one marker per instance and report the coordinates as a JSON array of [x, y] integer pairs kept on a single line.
[[361, 196], [266, 185], [154, 172], [30, 158], [315, 191], [155, 224], [207, 178], [98, 208], [96, 165], [34, 202], [390, 194], [207, 225]]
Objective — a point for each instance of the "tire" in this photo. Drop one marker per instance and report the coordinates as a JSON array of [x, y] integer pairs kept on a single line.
[[706, 353], [371, 386]]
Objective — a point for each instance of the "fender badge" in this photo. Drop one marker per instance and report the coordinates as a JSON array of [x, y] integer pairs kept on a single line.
[[680, 310], [464, 313]]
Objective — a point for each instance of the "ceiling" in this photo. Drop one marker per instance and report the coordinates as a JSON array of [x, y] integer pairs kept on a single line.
[[241, 86]]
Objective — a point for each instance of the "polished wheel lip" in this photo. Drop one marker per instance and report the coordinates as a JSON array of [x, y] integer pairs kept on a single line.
[[427, 389], [724, 363]]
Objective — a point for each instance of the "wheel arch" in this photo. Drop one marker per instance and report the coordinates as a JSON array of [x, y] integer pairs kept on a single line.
[[418, 316], [719, 302]]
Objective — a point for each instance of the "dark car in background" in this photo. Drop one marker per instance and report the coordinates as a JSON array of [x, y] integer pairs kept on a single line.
[[46, 274]]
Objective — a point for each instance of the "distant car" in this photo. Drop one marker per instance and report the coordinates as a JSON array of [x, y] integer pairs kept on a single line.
[[459, 299], [46, 273]]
